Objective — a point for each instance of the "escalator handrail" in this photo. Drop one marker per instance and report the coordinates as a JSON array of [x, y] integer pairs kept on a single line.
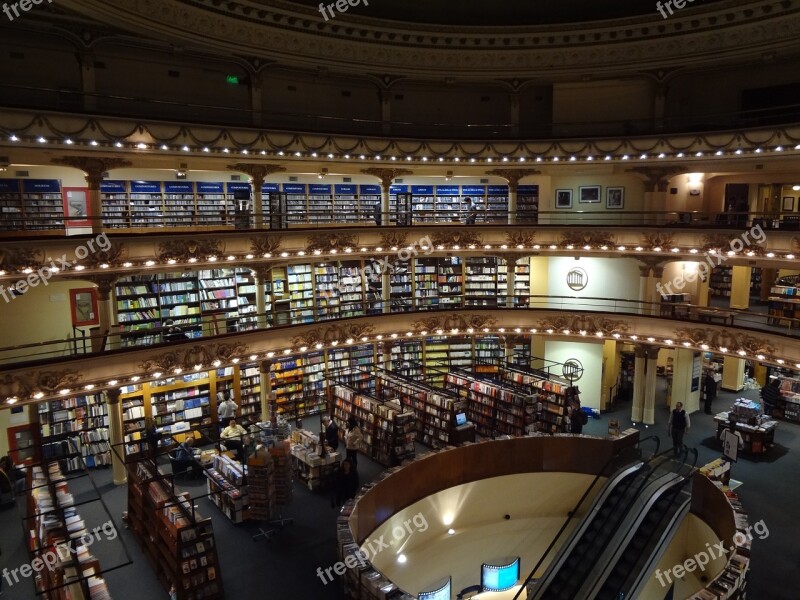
[[570, 515], [648, 501], [642, 485]]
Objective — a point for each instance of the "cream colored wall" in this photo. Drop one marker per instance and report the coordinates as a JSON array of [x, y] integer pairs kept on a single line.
[[68, 177], [43, 313], [9, 419], [537, 504], [598, 101], [634, 194], [691, 538], [709, 198], [591, 357], [682, 273], [607, 277]]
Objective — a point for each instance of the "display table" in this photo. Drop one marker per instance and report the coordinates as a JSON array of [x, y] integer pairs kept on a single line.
[[318, 472], [757, 438]]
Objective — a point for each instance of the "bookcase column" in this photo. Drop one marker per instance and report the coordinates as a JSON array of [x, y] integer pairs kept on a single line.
[[93, 169], [260, 276], [115, 435], [639, 367], [649, 413], [105, 309], [386, 177], [386, 292], [511, 279], [740, 287], [267, 396], [513, 177], [258, 174]]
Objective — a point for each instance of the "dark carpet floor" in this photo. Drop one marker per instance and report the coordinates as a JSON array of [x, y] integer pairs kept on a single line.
[[286, 566]]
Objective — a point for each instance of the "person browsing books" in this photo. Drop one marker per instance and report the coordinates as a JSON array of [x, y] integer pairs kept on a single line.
[[233, 436], [678, 425], [346, 483], [352, 441], [226, 409], [184, 457], [331, 433]]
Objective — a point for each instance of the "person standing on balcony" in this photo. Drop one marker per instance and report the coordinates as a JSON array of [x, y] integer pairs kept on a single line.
[[472, 212]]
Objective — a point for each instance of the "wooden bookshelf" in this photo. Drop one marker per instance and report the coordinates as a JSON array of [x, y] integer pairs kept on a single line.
[[76, 428], [225, 484]]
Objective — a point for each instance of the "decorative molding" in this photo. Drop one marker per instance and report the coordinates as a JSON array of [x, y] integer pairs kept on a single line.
[[656, 239], [723, 338], [588, 237], [13, 259], [513, 176], [187, 358], [719, 242], [331, 241], [105, 285], [455, 237], [394, 239], [24, 385], [267, 243], [93, 167], [387, 176], [258, 172], [448, 323], [184, 250], [331, 333], [520, 237], [588, 323], [115, 255]]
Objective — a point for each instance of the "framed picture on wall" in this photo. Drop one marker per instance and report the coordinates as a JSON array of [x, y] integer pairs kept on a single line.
[[589, 194], [83, 303], [615, 197], [788, 204], [563, 198]]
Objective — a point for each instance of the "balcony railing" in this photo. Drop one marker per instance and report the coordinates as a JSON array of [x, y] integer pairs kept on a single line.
[[32, 224], [280, 318]]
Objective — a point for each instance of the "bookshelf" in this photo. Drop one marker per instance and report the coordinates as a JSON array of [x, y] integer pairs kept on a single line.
[[296, 207], [300, 288], [315, 384], [134, 425], [387, 429], [426, 290], [720, 281], [494, 408], [522, 281], [406, 358], [225, 484], [423, 204], [351, 288], [443, 352], [77, 430], [233, 187], [178, 542], [320, 203], [481, 287], [783, 304], [249, 389], [146, 204], [210, 203], [52, 523], [448, 203], [552, 398], [755, 281], [182, 403], [114, 202], [219, 294], [246, 300], [179, 203], [400, 288], [450, 278], [10, 205], [138, 311], [326, 280], [489, 353], [345, 203], [368, 196], [287, 384], [42, 204], [497, 204], [528, 204], [179, 299]]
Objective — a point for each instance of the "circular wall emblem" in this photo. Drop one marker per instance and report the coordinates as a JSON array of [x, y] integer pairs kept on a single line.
[[572, 369], [577, 279]]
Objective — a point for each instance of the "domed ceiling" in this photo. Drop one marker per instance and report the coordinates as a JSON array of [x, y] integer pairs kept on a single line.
[[504, 12]]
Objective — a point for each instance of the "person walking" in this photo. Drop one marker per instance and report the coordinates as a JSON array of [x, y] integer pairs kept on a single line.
[[679, 424], [472, 211], [352, 441], [226, 409], [771, 395]]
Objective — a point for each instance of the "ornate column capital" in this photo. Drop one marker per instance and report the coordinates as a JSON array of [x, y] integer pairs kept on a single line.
[[652, 352], [657, 178], [258, 172], [651, 263], [92, 166], [640, 351], [386, 175], [112, 395], [105, 284], [512, 176]]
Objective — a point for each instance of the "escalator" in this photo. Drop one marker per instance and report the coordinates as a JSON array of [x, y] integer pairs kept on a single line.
[[625, 505]]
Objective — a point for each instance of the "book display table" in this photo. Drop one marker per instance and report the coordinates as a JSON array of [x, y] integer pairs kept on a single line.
[[757, 438]]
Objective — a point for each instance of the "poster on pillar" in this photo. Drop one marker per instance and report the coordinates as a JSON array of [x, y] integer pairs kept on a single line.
[[697, 369], [77, 207]]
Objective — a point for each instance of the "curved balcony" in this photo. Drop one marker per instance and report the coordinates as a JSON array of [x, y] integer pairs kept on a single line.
[[38, 368]]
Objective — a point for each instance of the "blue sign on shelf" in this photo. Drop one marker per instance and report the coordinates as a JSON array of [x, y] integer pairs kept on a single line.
[[210, 187], [178, 187], [473, 190], [370, 190], [422, 190], [294, 188], [323, 189], [266, 188], [113, 187], [145, 187], [345, 188], [398, 189], [9, 185], [41, 186], [447, 190], [238, 185], [498, 190], [528, 190]]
